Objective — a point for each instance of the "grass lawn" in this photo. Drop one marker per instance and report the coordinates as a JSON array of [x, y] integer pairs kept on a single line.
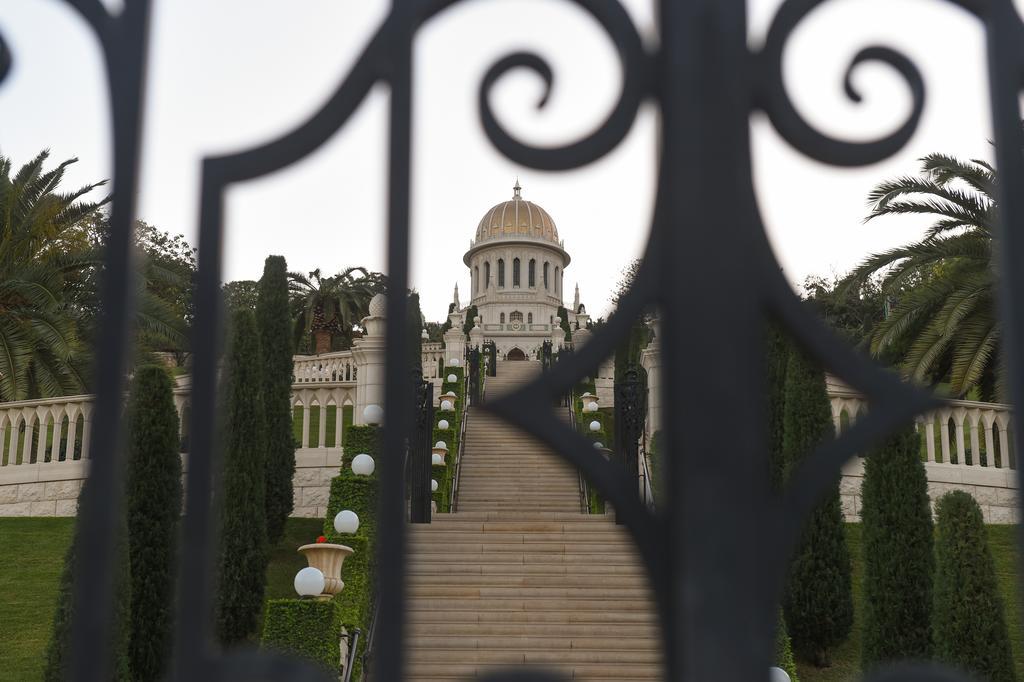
[[33, 552], [846, 659]]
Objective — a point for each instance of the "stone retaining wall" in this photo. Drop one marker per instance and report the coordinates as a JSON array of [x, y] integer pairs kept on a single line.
[[995, 490], [51, 489]]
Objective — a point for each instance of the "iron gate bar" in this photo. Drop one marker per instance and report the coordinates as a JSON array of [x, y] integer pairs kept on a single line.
[[717, 613]]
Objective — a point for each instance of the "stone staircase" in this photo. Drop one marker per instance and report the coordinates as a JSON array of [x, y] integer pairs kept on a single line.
[[518, 575]]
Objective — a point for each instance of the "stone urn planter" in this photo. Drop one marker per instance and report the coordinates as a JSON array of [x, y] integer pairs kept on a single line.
[[443, 452], [328, 558], [588, 399]]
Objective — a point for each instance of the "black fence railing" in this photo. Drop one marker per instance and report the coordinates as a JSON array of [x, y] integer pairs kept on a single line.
[[419, 452]]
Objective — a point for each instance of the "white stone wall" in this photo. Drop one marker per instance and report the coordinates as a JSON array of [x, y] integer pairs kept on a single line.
[[51, 489], [994, 489]]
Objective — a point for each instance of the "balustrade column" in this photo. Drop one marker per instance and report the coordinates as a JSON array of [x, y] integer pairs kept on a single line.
[[929, 435], [958, 427], [72, 434], [305, 426], [26, 445], [990, 445], [944, 435], [975, 417], [1004, 443], [41, 438], [86, 430], [58, 424], [3, 443], [338, 419], [322, 436]]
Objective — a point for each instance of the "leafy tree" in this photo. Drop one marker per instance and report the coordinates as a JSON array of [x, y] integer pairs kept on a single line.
[[243, 557], [58, 651], [274, 322], [851, 313], [941, 287], [153, 511], [243, 294], [818, 601], [898, 548], [435, 331], [969, 623], [327, 308]]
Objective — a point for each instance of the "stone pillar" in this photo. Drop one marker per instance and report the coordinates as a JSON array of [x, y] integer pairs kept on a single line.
[[650, 360], [476, 337], [369, 353]]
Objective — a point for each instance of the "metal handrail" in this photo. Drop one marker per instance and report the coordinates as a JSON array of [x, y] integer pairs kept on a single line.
[[368, 649], [350, 658], [462, 442], [584, 491]]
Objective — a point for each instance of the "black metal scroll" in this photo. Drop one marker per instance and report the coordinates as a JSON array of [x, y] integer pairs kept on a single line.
[[419, 453], [715, 560]]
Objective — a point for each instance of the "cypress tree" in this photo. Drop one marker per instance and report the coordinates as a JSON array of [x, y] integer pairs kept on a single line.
[[243, 543], [775, 366], [274, 320], [898, 553], [154, 510], [414, 329], [818, 602], [969, 623], [58, 652]]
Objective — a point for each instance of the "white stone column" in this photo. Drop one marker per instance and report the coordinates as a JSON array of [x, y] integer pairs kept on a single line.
[[958, 426], [305, 424], [650, 360], [321, 397], [369, 353], [86, 430], [72, 434]]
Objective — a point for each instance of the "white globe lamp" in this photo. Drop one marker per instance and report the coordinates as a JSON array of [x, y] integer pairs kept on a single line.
[[447, 406], [441, 444], [346, 522], [454, 362], [452, 378], [598, 445], [591, 407], [586, 395], [443, 425], [433, 485], [373, 414], [595, 425], [776, 674], [435, 460], [362, 465], [309, 582]]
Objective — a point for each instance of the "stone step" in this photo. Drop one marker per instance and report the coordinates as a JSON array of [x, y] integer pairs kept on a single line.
[[525, 604], [606, 671], [536, 548], [525, 654], [607, 582], [620, 631], [582, 594], [442, 534], [533, 617], [512, 572]]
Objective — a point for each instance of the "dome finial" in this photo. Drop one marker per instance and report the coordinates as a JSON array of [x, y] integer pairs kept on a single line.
[[517, 190]]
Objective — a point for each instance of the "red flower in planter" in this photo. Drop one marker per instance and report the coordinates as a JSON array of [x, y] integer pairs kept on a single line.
[[321, 539]]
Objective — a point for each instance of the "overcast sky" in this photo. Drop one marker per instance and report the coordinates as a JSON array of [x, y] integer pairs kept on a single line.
[[228, 74]]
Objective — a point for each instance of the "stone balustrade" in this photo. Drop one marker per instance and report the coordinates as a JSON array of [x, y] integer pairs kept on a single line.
[[966, 445], [337, 367], [433, 356]]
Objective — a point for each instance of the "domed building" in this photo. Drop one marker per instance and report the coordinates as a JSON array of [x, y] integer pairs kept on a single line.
[[517, 266]]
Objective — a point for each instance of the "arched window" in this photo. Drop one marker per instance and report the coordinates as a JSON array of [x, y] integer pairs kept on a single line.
[[502, 318], [558, 284], [546, 275], [515, 272], [532, 273], [515, 316], [487, 275], [501, 272], [476, 279], [529, 318]]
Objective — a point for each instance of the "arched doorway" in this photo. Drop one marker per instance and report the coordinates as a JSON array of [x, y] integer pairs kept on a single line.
[[515, 354]]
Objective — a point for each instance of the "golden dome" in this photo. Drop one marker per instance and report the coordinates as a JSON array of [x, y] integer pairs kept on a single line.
[[516, 219]]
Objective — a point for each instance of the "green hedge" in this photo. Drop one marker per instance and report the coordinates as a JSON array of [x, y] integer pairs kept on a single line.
[[445, 476], [356, 600], [359, 439], [358, 493], [307, 628]]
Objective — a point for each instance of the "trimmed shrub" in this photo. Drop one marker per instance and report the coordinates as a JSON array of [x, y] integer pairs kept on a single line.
[[969, 622], [307, 628], [784, 650], [775, 366], [273, 318], [898, 553], [243, 541], [357, 493], [818, 600], [361, 439], [58, 652], [414, 329], [153, 512], [467, 325]]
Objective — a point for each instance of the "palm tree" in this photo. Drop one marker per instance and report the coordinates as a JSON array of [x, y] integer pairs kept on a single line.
[[327, 307], [941, 323], [40, 246]]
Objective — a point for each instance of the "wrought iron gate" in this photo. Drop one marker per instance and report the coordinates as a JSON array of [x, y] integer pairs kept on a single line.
[[717, 583]]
